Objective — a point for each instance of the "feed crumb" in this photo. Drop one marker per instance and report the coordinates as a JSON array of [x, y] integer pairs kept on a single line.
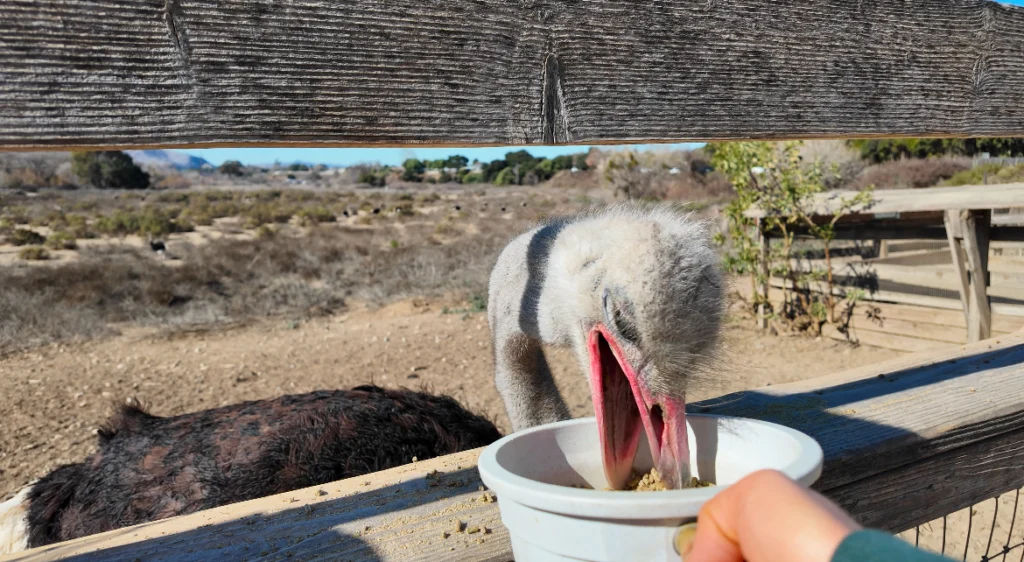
[[459, 526], [480, 488], [366, 528], [321, 492], [472, 530], [648, 482], [479, 541], [487, 530], [445, 534], [414, 459]]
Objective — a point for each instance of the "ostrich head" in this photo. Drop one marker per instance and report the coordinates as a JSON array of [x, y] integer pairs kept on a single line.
[[648, 293]]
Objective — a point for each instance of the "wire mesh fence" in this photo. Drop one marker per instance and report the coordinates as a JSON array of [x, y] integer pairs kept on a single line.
[[989, 530]]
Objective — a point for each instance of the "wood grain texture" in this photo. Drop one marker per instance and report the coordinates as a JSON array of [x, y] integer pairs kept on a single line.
[[924, 203], [954, 235], [975, 227], [141, 73], [916, 428]]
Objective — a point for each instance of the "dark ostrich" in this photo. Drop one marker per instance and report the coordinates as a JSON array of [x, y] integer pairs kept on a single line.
[[149, 468]]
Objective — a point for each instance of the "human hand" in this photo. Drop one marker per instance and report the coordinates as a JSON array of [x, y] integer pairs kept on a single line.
[[766, 517]]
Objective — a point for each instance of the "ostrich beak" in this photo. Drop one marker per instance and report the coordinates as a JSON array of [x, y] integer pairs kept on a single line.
[[623, 404]]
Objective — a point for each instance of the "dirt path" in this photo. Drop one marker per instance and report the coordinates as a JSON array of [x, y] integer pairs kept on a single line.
[[54, 398]]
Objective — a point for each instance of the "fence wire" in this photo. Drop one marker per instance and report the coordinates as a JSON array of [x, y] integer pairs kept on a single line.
[[989, 530]]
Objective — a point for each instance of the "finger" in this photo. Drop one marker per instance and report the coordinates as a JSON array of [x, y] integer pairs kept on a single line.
[[715, 539]]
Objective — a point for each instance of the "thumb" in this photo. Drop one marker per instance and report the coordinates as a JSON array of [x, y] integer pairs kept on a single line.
[[708, 542]]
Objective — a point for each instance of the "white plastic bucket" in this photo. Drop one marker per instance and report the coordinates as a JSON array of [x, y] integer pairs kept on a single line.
[[532, 473]]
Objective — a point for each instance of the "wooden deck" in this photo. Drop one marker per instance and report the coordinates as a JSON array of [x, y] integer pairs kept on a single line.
[[922, 428]]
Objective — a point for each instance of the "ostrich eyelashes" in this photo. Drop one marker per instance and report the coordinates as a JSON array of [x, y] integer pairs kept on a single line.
[[620, 317]]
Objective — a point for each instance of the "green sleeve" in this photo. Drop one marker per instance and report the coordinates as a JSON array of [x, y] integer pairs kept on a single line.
[[876, 546]]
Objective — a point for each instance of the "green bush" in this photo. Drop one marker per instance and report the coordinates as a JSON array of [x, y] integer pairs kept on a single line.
[[108, 169], [25, 237], [34, 253], [231, 168], [881, 150], [505, 177], [61, 240], [990, 173], [265, 231]]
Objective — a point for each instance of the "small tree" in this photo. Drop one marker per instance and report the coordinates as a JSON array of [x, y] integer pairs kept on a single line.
[[109, 169], [456, 161], [413, 170], [774, 178], [231, 168]]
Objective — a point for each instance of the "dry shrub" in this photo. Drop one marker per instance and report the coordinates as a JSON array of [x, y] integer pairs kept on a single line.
[[238, 279], [34, 253], [171, 180], [61, 240], [909, 173], [25, 237]]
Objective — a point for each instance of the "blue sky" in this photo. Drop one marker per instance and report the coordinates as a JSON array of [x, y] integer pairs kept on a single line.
[[392, 156]]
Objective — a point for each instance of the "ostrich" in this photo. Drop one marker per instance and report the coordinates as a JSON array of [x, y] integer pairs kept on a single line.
[[157, 246], [149, 468], [637, 293]]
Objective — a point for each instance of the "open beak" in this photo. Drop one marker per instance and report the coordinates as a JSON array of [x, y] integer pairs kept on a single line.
[[623, 405]]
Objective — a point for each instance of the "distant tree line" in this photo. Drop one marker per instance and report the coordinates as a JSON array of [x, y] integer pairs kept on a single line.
[[883, 150], [516, 168]]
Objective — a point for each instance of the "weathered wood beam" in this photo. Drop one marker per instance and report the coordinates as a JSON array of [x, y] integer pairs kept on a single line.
[[943, 429], [955, 235], [917, 203], [975, 229], [117, 73]]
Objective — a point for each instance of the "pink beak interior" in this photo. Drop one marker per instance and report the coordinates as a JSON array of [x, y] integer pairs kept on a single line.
[[623, 404]]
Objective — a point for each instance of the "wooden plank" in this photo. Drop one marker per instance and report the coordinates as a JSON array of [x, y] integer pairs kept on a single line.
[[397, 514], [879, 295], [890, 327], [951, 318], [898, 342], [908, 315], [936, 486], [955, 234], [934, 199], [975, 226], [926, 420], [203, 73]]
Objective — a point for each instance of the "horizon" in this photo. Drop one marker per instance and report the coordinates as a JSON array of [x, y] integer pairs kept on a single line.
[[343, 157]]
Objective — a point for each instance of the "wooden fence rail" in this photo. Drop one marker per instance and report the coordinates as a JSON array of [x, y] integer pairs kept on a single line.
[[90, 73], [905, 442]]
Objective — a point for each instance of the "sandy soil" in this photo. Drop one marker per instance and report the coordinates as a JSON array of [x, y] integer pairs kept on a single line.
[[52, 399], [55, 397]]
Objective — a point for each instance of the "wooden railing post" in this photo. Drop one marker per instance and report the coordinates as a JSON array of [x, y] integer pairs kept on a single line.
[[765, 244], [954, 234], [971, 262], [975, 225]]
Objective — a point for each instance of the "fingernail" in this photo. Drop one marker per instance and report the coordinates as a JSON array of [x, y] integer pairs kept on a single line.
[[684, 539]]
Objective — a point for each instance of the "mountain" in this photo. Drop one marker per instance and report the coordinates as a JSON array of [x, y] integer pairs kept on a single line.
[[167, 159]]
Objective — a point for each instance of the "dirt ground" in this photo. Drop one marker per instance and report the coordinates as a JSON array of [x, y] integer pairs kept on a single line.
[[54, 397]]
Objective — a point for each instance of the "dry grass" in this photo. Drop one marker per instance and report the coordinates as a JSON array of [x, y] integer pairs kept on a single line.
[[229, 280]]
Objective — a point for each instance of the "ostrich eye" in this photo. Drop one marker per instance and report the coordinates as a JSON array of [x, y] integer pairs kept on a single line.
[[620, 317]]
